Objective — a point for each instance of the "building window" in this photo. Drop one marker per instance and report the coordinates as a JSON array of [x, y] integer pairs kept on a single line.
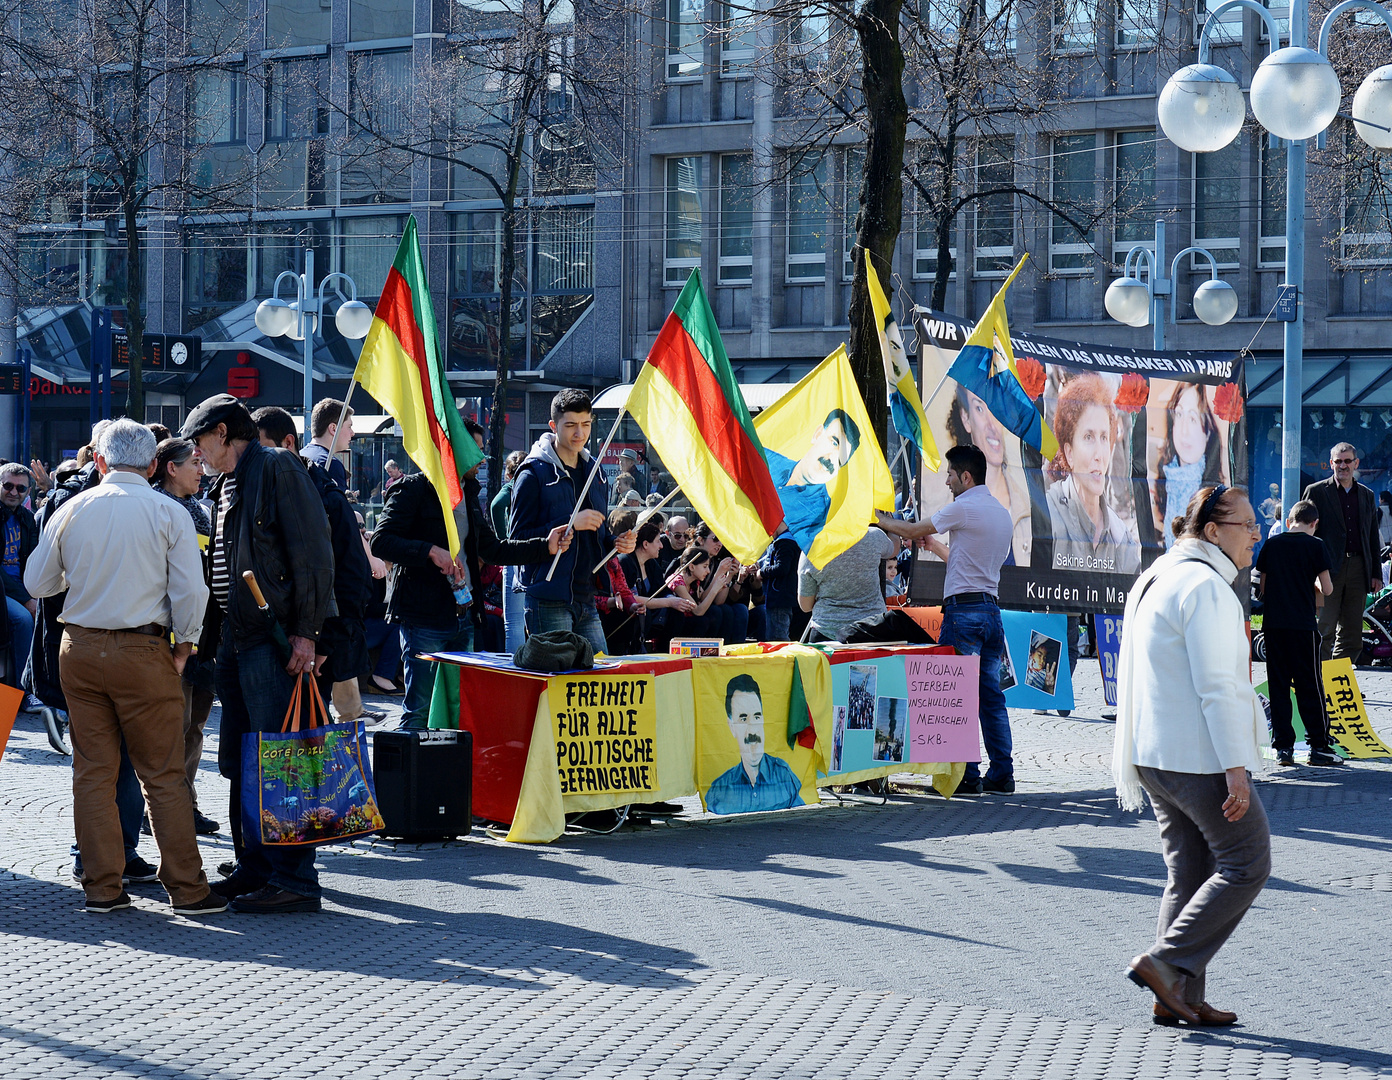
[[809, 206], [685, 38], [219, 107], [683, 226], [738, 40], [1074, 30], [995, 214], [280, 246], [373, 20], [1229, 28], [810, 36], [564, 250], [853, 169], [381, 89], [475, 18], [926, 241], [1137, 24], [1073, 186], [216, 274], [1134, 191], [1271, 232], [298, 22], [215, 27], [367, 246], [1000, 18], [1366, 237], [1217, 203], [736, 218], [293, 109]]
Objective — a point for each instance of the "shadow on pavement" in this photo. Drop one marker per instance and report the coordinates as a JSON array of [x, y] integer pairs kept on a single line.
[[390, 940]]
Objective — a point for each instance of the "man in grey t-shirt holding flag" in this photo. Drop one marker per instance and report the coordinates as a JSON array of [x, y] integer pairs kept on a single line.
[[981, 531]]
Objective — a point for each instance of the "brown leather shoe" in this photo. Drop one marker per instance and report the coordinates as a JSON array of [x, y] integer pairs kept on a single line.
[[1208, 1016], [1144, 973]]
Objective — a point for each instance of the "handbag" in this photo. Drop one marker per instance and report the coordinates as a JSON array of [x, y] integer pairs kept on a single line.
[[311, 786]]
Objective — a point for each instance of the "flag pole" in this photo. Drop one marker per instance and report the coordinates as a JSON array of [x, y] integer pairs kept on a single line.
[[342, 414], [570, 526], [643, 518]]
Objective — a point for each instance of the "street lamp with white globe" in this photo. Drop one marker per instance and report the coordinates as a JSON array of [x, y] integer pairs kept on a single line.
[[298, 319], [1295, 95], [1135, 302]]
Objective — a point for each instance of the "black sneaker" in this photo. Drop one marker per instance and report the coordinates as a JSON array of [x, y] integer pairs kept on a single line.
[[1285, 757], [106, 907], [56, 724], [203, 825], [272, 901], [229, 888], [137, 869], [1324, 757], [998, 787], [968, 787], [1064, 712], [227, 869], [209, 905]]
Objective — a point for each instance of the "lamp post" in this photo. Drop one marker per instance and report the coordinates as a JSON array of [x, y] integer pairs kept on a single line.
[[1295, 95], [300, 317], [1135, 303]]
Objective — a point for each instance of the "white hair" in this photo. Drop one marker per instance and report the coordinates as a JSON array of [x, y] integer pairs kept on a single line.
[[97, 431], [126, 443]]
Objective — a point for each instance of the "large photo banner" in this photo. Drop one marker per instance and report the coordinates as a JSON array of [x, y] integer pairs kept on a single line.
[[1138, 433]]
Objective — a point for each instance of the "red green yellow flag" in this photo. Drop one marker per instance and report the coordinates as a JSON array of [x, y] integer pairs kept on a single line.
[[690, 408], [401, 367]]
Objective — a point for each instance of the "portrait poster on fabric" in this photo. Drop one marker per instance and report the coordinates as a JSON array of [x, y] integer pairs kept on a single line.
[[1108, 636], [1039, 645], [1138, 431], [744, 762]]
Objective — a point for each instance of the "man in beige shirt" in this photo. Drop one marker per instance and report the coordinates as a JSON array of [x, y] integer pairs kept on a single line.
[[129, 559]]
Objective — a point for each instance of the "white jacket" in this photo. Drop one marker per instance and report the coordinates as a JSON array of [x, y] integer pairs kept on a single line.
[[1185, 701]]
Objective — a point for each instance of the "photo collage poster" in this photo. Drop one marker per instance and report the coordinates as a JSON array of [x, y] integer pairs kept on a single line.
[[1138, 431]]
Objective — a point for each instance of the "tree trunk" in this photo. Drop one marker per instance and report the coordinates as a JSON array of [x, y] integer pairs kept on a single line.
[[881, 192], [135, 315]]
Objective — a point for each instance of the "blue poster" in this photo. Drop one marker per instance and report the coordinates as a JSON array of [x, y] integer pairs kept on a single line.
[[869, 695], [1107, 630], [1034, 670]]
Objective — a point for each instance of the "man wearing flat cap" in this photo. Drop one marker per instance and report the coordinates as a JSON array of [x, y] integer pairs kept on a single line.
[[268, 519]]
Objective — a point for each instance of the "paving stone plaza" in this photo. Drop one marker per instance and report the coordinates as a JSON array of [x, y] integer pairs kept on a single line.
[[922, 937]]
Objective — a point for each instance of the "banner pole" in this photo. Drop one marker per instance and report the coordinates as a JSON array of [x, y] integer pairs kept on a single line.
[[342, 415], [644, 517], [570, 527]]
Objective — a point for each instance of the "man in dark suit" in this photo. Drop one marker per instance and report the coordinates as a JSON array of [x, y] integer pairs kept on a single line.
[[1348, 525]]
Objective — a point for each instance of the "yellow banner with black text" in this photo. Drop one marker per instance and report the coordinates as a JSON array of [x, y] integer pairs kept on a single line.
[[605, 731]]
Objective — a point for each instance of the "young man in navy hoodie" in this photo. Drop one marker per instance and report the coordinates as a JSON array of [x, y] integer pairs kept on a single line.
[[544, 493]]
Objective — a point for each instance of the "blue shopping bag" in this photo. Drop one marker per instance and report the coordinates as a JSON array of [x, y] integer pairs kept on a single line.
[[311, 786]]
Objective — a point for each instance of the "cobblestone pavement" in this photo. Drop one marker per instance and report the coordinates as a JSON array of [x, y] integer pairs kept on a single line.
[[976, 937]]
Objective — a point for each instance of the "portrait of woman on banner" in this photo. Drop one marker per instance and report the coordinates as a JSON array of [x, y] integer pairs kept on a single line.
[[1190, 451], [1088, 532], [970, 421]]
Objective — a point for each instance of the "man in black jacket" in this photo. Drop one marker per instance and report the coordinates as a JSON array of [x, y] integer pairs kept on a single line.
[[341, 654], [269, 519], [19, 535], [425, 582], [1348, 525]]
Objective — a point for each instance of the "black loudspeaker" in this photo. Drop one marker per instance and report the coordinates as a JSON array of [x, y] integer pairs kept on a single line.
[[424, 781]]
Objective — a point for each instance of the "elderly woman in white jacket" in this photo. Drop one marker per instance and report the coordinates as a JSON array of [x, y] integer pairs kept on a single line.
[[1189, 727]]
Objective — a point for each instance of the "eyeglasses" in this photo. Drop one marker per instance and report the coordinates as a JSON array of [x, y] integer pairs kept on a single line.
[[20, 488], [1344, 461], [1250, 525]]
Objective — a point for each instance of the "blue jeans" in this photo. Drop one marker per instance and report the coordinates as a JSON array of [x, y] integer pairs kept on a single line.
[[758, 623], [21, 634], [255, 690], [583, 619], [130, 808], [514, 616], [420, 674], [976, 630], [382, 635], [778, 618]]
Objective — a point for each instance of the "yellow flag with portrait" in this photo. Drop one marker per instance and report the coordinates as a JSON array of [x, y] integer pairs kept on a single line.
[[825, 460]]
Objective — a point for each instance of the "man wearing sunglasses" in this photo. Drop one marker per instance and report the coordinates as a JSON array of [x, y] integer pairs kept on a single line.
[[19, 535]]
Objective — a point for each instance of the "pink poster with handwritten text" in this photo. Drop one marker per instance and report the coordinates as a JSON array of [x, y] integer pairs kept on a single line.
[[944, 723]]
